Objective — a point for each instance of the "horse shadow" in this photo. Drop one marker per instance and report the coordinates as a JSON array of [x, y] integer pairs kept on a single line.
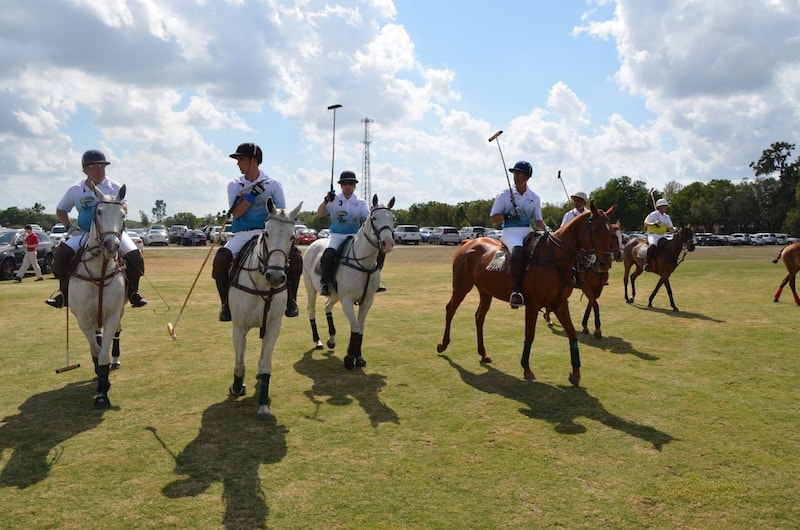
[[44, 422], [677, 314], [343, 386], [609, 343], [230, 448], [560, 405]]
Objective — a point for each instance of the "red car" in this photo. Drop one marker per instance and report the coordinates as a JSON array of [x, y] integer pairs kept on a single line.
[[305, 236]]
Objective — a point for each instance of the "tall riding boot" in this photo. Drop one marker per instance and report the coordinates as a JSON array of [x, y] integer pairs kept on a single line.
[[134, 269], [517, 265], [651, 250], [326, 264], [62, 259], [293, 281], [220, 271], [381, 259]]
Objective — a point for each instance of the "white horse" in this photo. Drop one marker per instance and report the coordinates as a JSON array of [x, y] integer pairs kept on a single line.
[[356, 280], [257, 298], [97, 290]]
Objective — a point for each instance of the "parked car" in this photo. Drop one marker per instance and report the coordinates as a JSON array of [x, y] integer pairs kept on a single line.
[[211, 232], [757, 239], [58, 234], [444, 235], [780, 239], [768, 237], [471, 232], [156, 235], [12, 250], [324, 234], [176, 233], [407, 234], [227, 233], [193, 238], [494, 234], [305, 236], [136, 238], [740, 238], [425, 233]]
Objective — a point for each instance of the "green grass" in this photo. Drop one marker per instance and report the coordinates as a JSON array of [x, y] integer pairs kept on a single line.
[[683, 420]]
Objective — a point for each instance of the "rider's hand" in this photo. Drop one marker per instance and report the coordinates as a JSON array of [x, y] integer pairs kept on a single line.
[[258, 188], [657, 224], [330, 196]]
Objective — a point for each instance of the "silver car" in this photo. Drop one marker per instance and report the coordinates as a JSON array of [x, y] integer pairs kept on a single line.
[[156, 235]]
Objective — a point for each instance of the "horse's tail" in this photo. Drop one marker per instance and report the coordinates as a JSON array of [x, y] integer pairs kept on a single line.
[[776, 260]]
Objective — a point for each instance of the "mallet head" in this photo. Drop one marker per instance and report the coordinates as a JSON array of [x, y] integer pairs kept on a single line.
[[495, 135], [67, 368], [337, 106], [171, 330]]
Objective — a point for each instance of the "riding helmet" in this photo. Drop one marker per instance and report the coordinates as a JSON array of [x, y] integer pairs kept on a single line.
[[347, 176], [661, 202], [94, 156], [580, 195], [249, 150], [522, 167]]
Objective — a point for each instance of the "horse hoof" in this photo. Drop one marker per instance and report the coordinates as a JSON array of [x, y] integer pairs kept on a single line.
[[629, 301], [550, 324], [598, 335], [318, 345], [361, 362], [331, 344], [264, 414], [575, 380], [349, 362], [486, 360], [241, 392], [101, 401], [529, 376], [675, 309], [440, 348], [115, 364]]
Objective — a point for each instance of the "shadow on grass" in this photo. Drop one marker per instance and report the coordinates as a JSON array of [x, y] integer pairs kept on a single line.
[[330, 378], [559, 405], [608, 343], [667, 311], [44, 421], [230, 447]]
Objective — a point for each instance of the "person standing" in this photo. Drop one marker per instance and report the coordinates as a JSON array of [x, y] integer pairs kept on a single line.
[[516, 208], [247, 199], [82, 197], [347, 211], [579, 200], [657, 224], [30, 260]]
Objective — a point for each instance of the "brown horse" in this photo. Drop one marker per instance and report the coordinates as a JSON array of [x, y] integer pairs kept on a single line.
[[790, 254], [548, 276], [592, 282], [666, 261]]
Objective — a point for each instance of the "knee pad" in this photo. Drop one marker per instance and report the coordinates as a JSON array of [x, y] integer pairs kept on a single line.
[[222, 264]]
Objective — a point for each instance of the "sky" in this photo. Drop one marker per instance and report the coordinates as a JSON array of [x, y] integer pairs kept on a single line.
[[674, 90]]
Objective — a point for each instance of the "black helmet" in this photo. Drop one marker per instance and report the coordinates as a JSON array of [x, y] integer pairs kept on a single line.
[[347, 176], [94, 156], [522, 167], [249, 150]]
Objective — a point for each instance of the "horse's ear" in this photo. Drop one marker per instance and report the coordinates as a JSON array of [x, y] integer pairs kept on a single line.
[[270, 205], [391, 203], [293, 213], [592, 207], [611, 210], [374, 200], [121, 192]]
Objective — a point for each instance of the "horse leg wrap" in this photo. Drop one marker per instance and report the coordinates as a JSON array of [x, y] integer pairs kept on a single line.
[[263, 389], [96, 366], [574, 353], [103, 384], [115, 345], [238, 382], [331, 327], [354, 348], [98, 337], [525, 361], [314, 332]]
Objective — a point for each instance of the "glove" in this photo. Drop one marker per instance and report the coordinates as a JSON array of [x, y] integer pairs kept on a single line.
[[516, 212], [258, 188], [657, 224], [330, 196]]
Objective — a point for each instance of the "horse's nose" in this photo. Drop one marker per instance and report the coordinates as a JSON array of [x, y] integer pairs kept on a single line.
[[276, 278], [388, 245]]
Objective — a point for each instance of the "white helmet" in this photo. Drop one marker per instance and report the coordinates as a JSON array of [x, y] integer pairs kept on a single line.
[[661, 202], [580, 195]]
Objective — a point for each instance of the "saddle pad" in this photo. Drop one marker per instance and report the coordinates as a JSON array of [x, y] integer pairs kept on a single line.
[[498, 261], [642, 252]]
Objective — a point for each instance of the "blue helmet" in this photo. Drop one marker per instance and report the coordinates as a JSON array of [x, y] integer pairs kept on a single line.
[[522, 167], [93, 156]]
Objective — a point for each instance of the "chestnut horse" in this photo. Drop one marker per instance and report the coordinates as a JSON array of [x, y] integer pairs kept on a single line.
[[591, 283], [548, 276], [790, 254], [666, 261]]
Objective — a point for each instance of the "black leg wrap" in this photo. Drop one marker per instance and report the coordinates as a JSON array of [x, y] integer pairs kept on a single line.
[[263, 389], [103, 384], [331, 327], [314, 332]]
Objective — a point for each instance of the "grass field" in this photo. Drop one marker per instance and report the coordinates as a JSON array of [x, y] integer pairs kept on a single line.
[[682, 420]]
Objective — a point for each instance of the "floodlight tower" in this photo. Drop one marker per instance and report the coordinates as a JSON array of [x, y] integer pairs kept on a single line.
[[366, 170]]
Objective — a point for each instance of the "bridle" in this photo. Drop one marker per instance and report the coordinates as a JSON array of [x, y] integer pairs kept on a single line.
[[584, 260], [264, 253], [101, 232], [377, 231]]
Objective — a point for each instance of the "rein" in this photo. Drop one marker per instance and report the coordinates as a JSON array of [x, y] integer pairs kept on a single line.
[[357, 263]]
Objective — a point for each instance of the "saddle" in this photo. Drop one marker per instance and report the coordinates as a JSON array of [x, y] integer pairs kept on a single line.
[[503, 254], [236, 266]]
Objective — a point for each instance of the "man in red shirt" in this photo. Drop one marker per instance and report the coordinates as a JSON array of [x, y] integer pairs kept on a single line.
[[29, 261]]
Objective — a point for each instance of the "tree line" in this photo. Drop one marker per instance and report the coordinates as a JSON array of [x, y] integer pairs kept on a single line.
[[770, 202]]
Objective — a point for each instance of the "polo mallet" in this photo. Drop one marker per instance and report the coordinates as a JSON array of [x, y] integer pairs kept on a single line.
[[172, 325], [333, 145], [653, 198], [569, 199], [67, 367], [493, 138]]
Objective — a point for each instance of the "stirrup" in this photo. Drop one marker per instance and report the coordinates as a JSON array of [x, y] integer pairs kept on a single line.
[[381, 289], [516, 300], [57, 301], [137, 300], [324, 290]]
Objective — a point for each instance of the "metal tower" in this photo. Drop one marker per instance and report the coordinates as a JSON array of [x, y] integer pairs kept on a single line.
[[366, 170]]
